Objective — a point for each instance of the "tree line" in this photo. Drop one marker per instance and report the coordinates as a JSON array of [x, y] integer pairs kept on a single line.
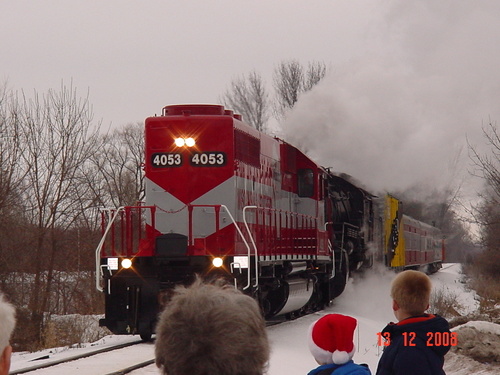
[[57, 170], [486, 214]]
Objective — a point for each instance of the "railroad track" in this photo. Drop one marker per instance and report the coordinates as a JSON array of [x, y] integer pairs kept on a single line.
[[112, 360], [133, 368], [447, 265]]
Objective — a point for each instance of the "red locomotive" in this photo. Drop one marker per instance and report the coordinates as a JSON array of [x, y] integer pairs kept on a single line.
[[225, 199]]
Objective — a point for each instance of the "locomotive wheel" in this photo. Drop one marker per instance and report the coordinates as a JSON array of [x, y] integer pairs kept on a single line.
[[339, 281], [368, 263], [317, 301]]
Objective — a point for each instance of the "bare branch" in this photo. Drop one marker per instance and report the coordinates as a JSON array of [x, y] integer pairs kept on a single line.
[[291, 79], [288, 83], [118, 177], [487, 166], [248, 97], [316, 72]]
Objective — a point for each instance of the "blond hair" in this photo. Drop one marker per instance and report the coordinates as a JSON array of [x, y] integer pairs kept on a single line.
[[7, 322], [211, 329], [412, 290]]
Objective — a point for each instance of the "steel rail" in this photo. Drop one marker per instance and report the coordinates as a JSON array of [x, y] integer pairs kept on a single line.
[[129, 369], [73, 358]]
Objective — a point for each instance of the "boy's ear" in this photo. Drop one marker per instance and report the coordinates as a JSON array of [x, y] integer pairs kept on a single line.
[[395, 306]]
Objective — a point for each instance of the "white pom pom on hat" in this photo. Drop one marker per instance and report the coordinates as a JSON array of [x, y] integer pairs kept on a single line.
[[331, 339]]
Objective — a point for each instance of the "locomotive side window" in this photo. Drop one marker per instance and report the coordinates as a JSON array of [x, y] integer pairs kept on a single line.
[[306, 183]]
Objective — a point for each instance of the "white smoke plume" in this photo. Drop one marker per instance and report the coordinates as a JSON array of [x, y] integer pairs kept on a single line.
[[398, 116]]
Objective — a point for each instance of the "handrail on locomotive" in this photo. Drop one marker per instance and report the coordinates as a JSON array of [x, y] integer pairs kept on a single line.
[[113, 213], [124, 212], [98, 271], [217, 208]]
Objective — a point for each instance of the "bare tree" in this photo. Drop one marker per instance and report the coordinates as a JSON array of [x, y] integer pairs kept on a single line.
[[288, 83], [118, 177], [487, 166], [58, 139], [11, 184], [248, 97], [291, 79], [316, 71], [10, 148], [487, 214], [48, 148]]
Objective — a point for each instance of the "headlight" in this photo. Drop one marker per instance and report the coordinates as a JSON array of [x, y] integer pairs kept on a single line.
[[126, 263], [217, 262], [190, 142], [179, 142]]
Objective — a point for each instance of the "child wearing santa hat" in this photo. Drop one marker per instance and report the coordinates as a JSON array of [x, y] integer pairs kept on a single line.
[[331, 344]]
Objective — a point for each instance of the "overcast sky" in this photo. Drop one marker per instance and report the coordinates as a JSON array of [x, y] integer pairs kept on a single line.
[[407, 81], [138, 56]]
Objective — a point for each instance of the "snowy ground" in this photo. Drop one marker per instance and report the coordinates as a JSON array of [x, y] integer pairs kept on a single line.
[[367, 300]]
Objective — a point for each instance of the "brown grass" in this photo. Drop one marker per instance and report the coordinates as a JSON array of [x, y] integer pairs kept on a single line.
[[487, 286], [72, 330], [445, 303]]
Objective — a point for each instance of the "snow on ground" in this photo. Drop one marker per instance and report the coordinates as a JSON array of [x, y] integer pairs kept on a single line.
[[451, 282], [24, 360], [367, 299]]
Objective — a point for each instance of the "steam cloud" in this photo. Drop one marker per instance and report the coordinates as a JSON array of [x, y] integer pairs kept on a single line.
[[399, 116]]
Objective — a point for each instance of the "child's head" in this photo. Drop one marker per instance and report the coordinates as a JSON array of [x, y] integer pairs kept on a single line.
[[331, 339], [211, 328], [411, 291]]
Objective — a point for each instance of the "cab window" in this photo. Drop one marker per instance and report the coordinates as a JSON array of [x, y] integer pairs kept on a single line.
[[305, 179]]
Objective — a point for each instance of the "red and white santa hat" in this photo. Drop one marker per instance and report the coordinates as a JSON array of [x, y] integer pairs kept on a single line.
[[331, 339]]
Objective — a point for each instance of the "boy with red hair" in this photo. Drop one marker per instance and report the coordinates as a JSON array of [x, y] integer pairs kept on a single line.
[[414, 345]]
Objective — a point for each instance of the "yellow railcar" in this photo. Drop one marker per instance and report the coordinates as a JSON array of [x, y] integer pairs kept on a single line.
[[409, 243]]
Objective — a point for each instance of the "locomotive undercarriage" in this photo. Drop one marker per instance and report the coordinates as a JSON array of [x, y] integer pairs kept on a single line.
[[292, 289], [134, 297]]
